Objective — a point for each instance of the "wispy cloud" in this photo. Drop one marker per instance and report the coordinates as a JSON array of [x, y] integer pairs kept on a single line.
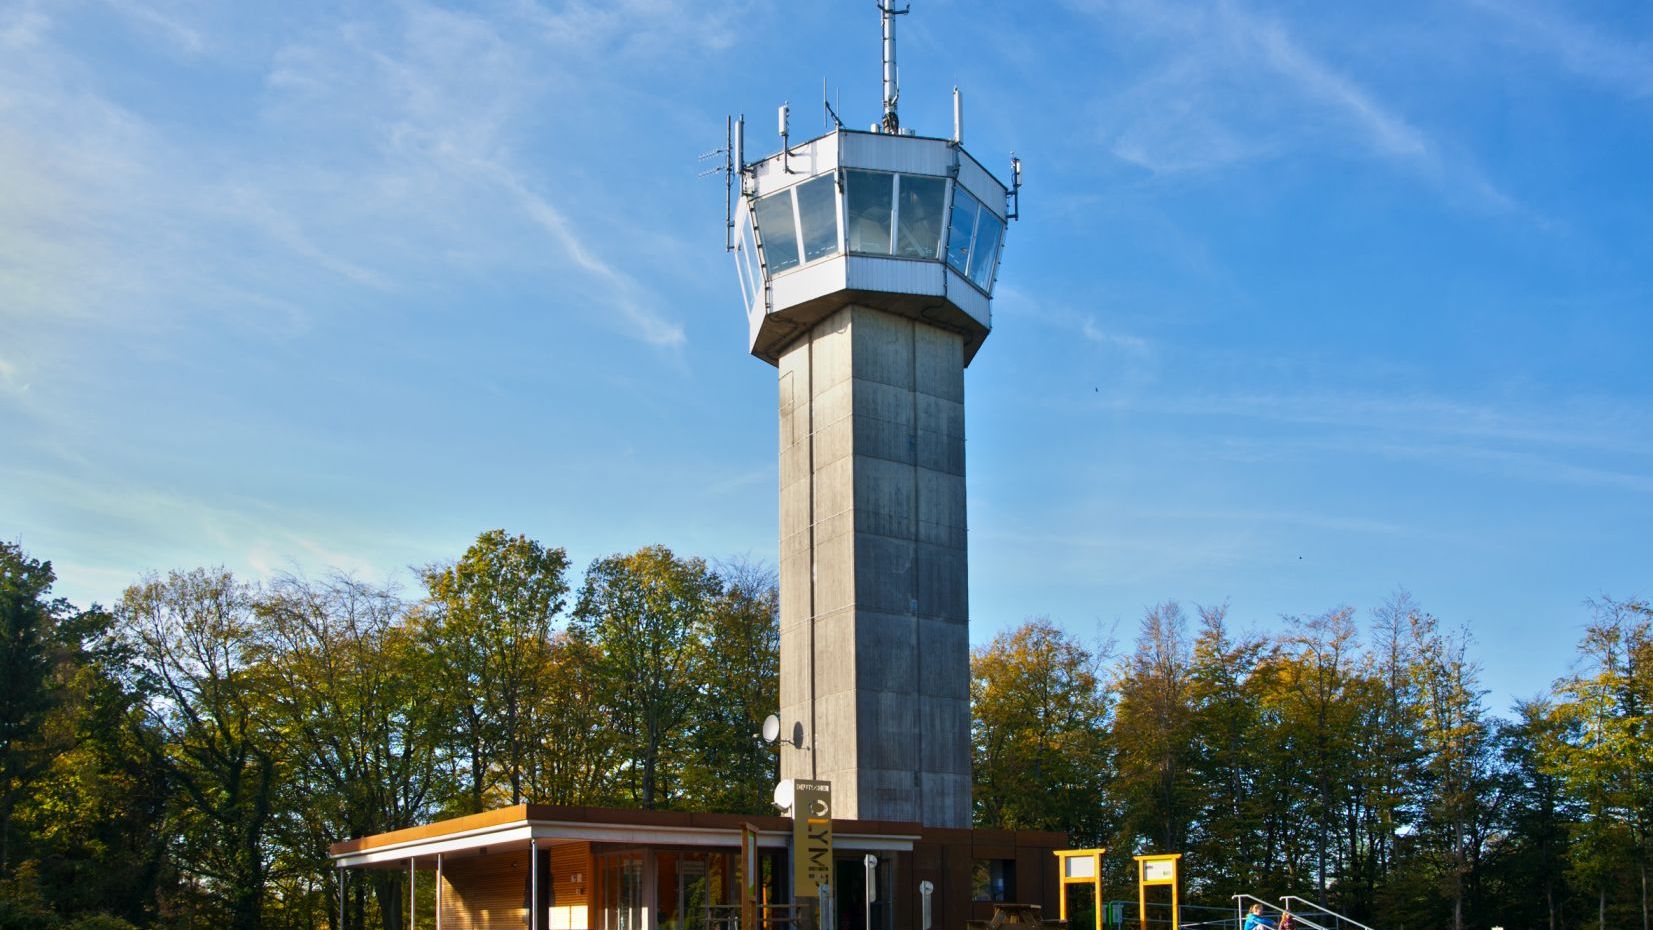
[[116, 218], [151, 17], [1086, 325], [1592, 447], [1233, 85], [1387, 132], [1626, 66]]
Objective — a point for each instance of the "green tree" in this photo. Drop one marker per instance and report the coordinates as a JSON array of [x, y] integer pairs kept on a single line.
[[726, 768], [1602, 757], [1228, 766], [647, 615], [348, 680], [29, 622], [194, 646], [1039, 733], [491, 615], [1540, 810], [1317, 677], [578, 748], [1153, 733], [1455, 742]]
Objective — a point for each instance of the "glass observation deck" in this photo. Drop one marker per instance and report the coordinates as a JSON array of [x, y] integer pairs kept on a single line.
[[908, 224]]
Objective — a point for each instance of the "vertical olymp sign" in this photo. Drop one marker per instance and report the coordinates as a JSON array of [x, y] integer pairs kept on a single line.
[[811, 836]]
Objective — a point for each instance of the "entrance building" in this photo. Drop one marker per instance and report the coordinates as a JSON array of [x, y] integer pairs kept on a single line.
[[607, 869]]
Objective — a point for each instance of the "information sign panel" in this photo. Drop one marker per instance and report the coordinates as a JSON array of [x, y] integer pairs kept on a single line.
[[811, 836]]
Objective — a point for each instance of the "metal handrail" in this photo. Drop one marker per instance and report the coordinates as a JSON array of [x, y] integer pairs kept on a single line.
[[1323, 909], [1300, 919], [1239, 907], [1283, 908]]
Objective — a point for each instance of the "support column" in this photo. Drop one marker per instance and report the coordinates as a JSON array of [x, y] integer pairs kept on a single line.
[[438, 891], [534, 884], [413, 897]]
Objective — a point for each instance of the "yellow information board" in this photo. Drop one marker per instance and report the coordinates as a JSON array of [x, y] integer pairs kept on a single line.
[[1157, 870], [811, 837], [1079, 867]]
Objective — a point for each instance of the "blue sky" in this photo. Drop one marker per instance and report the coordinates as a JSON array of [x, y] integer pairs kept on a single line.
[[1309, 302]]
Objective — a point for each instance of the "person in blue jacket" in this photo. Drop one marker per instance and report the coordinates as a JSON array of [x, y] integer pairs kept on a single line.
[[1256, 921]]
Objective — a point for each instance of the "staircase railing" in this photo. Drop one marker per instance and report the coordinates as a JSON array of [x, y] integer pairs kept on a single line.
[[1297, 920], [1321, 910]]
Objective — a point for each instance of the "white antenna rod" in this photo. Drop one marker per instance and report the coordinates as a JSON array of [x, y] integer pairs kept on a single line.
[[958, 116], [892, 80]]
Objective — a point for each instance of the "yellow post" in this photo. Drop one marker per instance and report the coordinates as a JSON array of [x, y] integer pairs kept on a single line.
[[1077, 866], [1157, 870]]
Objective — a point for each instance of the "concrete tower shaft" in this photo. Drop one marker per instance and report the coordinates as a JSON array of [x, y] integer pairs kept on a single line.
[[874, 585]]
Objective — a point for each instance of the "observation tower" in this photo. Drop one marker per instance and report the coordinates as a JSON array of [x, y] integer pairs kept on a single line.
[[866, 260]]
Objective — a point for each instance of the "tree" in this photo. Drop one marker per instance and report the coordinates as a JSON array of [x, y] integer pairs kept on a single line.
[[1153, 732], [1455, 741], [194, 645], [1540, 810], [1317, 681], [348, 680], [1039, 733], [647, 615], [726, 768], [578, 747], [490, 620], [29, 623], [1602, 713], [1390, 772], [1228, 768]]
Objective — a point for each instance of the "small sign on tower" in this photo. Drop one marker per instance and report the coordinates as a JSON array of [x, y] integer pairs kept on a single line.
[[811, 835]]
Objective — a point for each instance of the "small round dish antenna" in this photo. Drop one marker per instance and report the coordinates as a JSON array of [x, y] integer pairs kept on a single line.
[[771, 728], [783, 794]]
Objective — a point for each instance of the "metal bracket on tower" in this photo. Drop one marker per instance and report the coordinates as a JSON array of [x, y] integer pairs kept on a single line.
[[1015, 211]]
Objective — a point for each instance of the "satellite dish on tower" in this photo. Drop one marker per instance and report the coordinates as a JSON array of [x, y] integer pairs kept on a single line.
[[771, 728]]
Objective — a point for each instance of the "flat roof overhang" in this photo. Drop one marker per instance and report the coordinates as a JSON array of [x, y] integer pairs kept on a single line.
[[511, 829]]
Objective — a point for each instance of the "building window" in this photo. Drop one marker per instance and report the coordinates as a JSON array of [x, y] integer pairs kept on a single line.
[[818, 213], [780, 233], [921, 199], [871, 204], [973, 239], [993, 880]]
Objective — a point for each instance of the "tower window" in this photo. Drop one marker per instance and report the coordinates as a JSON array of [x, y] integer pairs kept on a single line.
[[818, 215], [962, 230], [921, 200], [779, 232], [973, 239], [871, 204], [989, 228]]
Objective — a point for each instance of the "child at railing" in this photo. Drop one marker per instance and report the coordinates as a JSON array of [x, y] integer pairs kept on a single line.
[[1256, 921]]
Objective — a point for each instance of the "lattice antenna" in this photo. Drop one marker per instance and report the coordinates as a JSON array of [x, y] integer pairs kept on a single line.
[[892, 76], [733, 170]]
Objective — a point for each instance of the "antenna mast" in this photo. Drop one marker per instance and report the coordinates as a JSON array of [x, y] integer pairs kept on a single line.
[[892, 77]]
